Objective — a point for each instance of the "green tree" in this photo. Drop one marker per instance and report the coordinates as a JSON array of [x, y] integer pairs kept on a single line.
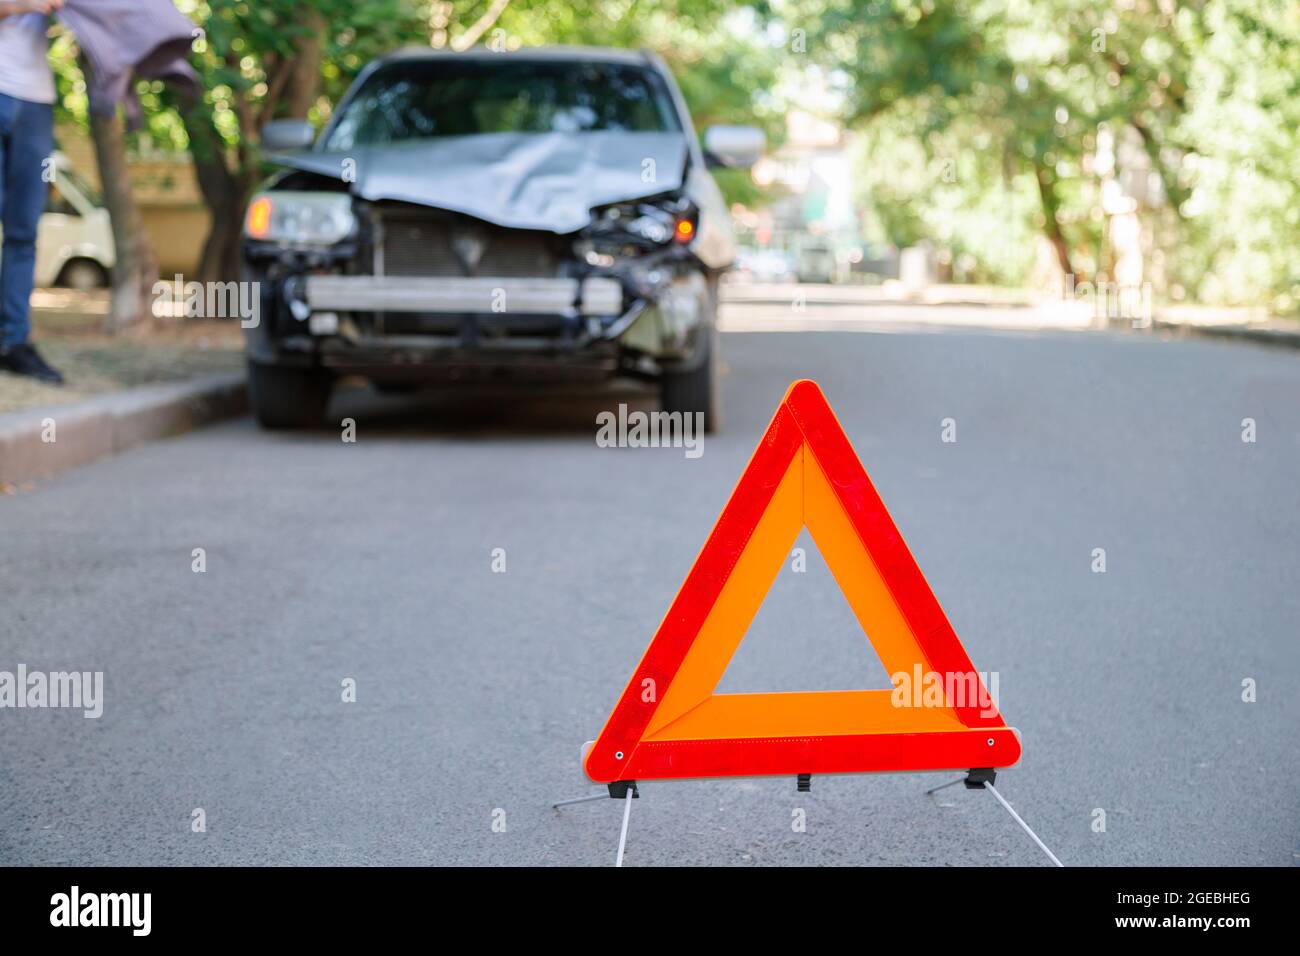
[[265, 60], [1208, 87]]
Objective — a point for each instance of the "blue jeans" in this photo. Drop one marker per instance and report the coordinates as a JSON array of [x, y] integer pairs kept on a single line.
[[26, 140]]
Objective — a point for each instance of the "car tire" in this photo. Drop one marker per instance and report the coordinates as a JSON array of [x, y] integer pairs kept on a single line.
[[699, 388], [83, 274], [285, 397]]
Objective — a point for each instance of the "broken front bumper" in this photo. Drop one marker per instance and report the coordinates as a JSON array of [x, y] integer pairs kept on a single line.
[[416, 327], [461, 327], [593, 296], [490, 313]]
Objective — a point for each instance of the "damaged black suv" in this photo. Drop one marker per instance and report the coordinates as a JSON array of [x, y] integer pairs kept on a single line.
[[539, 214]]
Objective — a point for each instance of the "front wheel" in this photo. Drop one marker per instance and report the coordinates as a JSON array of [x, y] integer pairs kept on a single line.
[[83, 274], [288, 397], [697, 390]]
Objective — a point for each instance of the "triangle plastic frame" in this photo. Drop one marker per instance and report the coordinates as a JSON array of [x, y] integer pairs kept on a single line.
[[669, 723]]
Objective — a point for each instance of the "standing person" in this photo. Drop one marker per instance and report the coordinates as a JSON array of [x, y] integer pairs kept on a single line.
[[26, 140]]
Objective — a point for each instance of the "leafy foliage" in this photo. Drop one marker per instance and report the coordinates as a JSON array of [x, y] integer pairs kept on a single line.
[[981, 122], [1013, 96]]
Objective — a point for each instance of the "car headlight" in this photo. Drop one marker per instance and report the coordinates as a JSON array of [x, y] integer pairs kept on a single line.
[[645, 224], [300, 217]]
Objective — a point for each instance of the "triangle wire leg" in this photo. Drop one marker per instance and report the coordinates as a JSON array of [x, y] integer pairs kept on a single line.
[[1025, 826], [945, 786], [627, 814], [566, 803]]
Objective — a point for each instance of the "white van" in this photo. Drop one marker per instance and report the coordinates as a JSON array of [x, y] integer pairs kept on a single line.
[[74, 240]]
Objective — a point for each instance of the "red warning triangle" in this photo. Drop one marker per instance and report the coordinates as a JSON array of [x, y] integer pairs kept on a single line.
[[671, 723]]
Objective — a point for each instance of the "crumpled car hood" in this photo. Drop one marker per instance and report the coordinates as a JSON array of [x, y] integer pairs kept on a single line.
[[544, 181]]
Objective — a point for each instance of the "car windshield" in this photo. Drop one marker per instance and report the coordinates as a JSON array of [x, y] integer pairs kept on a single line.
[[421, 99], [80, 185]]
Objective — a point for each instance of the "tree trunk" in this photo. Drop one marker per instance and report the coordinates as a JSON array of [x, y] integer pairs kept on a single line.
[[292, 90], [136, 269], [304, 81], [223, 194], [1176, 194], [1051, 209]]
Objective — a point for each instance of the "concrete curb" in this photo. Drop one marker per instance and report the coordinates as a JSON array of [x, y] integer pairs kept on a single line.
[[1263, 335], [108, 424]]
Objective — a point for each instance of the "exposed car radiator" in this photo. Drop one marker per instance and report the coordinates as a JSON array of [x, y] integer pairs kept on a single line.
[[431, 245]]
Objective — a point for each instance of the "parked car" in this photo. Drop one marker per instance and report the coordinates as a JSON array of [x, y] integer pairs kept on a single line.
[[764, 265], [815, 260], [534, 214], [74, 238]]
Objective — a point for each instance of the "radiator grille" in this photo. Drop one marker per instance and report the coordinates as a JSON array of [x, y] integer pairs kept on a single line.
[[414, 246]]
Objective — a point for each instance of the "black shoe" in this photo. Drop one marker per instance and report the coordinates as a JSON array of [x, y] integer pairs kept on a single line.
[[25, 360]]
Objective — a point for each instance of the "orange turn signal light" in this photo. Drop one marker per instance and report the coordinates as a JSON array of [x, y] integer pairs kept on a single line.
[[259, 217], [684, 231]]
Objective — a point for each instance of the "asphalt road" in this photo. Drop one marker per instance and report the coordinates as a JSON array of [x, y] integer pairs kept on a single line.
[[475, 690]]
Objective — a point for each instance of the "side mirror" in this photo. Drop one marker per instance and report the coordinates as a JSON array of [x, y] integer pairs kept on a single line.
[[736, 147], [287, 134]]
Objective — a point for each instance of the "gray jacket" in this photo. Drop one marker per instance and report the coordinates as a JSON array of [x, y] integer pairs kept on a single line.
[[125, 40]]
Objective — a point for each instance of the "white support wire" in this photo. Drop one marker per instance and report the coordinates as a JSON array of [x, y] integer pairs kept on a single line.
[[627, 813], [1025, 826]]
